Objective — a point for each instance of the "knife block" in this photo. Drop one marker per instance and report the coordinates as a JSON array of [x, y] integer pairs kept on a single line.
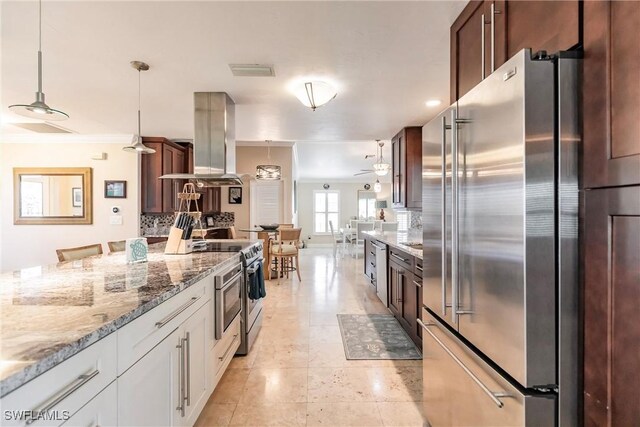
[[175, 244]]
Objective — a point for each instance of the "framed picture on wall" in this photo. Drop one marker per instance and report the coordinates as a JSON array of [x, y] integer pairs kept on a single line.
[[76, 197], [115, 189], [235, 195]]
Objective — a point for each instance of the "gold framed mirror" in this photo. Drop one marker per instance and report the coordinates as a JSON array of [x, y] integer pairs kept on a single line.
[[59, 196]]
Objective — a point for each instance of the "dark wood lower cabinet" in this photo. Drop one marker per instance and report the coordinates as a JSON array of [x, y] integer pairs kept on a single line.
[[395, 289], [611, 230], [404, 299]]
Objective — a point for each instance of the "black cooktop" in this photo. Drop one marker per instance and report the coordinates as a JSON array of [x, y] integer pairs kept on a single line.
[[223, 246]]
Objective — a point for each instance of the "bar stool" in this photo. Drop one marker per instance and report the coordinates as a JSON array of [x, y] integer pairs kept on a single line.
[[284, 249], [117, 246], [71, 254]]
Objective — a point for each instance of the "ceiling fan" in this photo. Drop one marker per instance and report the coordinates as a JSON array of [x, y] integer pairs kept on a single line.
[[380, 167]]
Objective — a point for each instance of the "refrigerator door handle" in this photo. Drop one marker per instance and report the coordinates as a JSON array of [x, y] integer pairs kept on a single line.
[[455, 232], [454, 216], [494, 396], [443, 213]]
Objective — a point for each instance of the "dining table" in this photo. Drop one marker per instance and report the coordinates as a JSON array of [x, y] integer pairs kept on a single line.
[[347, 233], [266, 235]]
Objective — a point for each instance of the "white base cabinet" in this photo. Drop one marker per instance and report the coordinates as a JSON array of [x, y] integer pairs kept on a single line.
[[148, 393], [100, 411], [158, 370], [195, 338], [167, 387]]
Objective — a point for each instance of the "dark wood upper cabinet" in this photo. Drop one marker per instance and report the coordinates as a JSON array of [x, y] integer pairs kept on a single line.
[[611, 93], [406, 168], [611, 232], [466, 49], [489, 32], [161, 196], [151, 171]]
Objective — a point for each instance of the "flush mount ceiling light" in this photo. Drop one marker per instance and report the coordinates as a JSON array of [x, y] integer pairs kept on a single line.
[[377, 187], [136, 145], [268, 172], [39, 109], [380, 168], [314, 94], [433, 102]]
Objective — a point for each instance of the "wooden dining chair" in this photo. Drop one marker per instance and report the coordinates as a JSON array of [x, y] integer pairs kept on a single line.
[[71, 254], [117, 246], [285, 226], [284, 250]]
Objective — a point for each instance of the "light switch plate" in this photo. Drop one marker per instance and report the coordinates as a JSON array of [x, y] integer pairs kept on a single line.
[[115, 220]]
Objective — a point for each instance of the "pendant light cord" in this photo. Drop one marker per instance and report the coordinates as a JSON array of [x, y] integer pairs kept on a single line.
[[39, 46], [139, 104]]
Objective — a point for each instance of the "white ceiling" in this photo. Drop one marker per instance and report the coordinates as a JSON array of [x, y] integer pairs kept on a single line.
[[385, 58]]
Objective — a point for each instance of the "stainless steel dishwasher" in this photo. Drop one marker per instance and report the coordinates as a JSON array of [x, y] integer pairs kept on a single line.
[[381, 271]]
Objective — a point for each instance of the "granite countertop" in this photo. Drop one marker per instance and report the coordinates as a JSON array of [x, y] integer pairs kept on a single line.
[[195, 229], [396, 238], [50, 313]]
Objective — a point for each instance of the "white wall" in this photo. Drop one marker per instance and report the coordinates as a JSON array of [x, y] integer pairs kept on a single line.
[[30, 245], [247, 158], [348, 206]]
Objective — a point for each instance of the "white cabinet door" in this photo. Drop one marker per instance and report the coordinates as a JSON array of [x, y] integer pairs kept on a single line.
[[149, 392], [196, 334], [100, 411]]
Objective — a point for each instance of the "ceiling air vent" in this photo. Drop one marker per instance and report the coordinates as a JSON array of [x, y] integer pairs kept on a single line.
[[41, 127], [252, 70]]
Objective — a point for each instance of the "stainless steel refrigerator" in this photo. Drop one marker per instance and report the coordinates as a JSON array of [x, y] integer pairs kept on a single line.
[[500, 224]]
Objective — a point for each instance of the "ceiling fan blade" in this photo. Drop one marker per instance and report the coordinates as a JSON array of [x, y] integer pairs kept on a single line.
[[362, 173], [369, 155]]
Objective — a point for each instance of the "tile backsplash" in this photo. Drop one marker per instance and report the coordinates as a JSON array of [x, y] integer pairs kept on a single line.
[[220, 219], [415, 220]]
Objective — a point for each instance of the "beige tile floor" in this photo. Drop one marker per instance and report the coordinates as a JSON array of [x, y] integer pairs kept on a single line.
[[297, 373]]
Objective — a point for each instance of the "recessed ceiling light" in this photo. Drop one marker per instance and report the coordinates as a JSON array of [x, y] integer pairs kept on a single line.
[[433, 103]]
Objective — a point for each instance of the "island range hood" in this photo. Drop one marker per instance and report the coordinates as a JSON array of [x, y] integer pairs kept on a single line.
[[214, 144]]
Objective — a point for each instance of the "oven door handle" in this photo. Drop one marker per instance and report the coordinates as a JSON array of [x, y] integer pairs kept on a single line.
[[252, 270], [230, 282]]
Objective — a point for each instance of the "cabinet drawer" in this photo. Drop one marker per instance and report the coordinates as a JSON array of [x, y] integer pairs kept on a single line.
[[402, 259], [460, 389], [64, 389], [100, 411], [417, 269], [226, 347], [138, 337]]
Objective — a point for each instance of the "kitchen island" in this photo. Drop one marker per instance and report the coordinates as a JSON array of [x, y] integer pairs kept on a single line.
[[53, 317]]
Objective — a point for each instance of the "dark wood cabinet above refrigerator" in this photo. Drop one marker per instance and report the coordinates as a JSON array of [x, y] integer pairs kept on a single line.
[[487, 33]]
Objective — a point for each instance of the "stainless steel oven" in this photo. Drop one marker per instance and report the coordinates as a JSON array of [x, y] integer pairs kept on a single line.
[[228, 298]]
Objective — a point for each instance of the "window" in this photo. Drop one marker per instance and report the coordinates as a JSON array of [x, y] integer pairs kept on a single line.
[[31, 197], [366, 205], [326, 207], [403, 220]]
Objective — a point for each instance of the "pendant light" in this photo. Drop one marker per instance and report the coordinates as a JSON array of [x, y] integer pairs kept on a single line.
[[136, 145], [380, 168], [39, 109], [377, 187], [315, 94], [268, 172]]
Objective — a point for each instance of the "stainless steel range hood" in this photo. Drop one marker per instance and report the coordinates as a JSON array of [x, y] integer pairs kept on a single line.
[[214, 145]]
